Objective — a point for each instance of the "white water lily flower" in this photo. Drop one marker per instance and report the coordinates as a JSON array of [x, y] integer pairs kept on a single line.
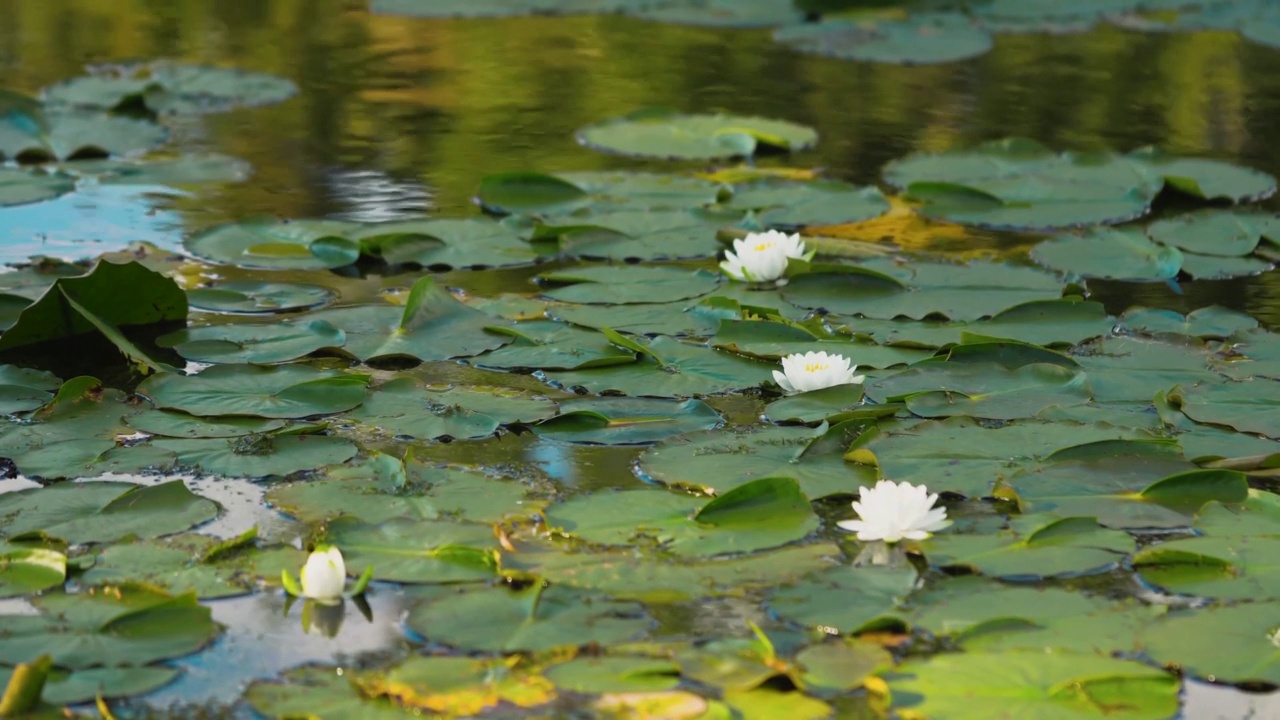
[[760, 257], [325, 575], [892, 511], [815, 371]]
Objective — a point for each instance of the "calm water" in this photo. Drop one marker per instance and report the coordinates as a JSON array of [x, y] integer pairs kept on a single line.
[[399, 116]]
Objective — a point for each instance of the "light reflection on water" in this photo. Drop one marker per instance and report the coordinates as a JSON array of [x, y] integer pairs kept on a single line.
[[94, 219]]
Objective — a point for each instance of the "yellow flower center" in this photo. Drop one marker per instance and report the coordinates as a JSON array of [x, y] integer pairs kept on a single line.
[[762, 246], [816, 367]]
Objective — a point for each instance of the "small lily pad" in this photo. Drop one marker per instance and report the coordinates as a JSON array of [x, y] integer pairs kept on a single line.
[[923, 38], [669, 135], [169, 88], [258, 297]]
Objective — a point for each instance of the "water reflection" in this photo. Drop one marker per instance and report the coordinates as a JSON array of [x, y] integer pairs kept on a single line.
[[94, 219], [262, 639]]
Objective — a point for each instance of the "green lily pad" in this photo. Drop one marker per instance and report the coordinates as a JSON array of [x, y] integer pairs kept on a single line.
[[668, 368], [176, 566], [64, 134], [494, 8], [23, 389], [721, 13], [1048, 686], [1033, 548], [304, 689], [286, 391], [86, 685], [535, 618], [548, 345], [1214, 321], [1254, 354], [268, 244], [1214, 567], [403, 407], [258, 455], [385, 488], [1216, 232], [982, 615], [1212, 267], [445, 244], [418, 551], [1208, 179], [132, 628], [629, 235], [168, 423], [983, 390], [618, 673], [258, 297], [104, 511], [817, 405], [26, 570], [791, 204], [1225, 644], [169, 88], [837, 667], [1109, 254], [433, 325], [626, 284], [1248, 406], [681, 319], [957, 292], [669, 135], [627, 421], [259, 343], [760, 514], [772, 341], [1126, 369], [563, 193], [846, 599], [962, 456], [1019, 184], [181, 170], [718, 462], [456, 686], [19, 186], [920, 39], [1061, 321]]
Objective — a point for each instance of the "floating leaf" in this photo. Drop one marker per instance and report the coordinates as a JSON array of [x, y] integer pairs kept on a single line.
[[760, 514], [563, 193], [258, 455], [456, 686], [445, 244], [845, 599], [919, 39], [721, 13], [258, 297], [1109, 254], [1020, 184], [277, 245], [26, 570], [405, 408], [963, 686], [424, 551], [1033, 548], [19, 186], [1248, 406], [789, 204], [535, 618], [169, 88], [615, 674], [1214, 321], [1208, 179], [983, 390], [1216, 232], [23, 389], [259, 343], [664, 134], [621, 285], [547, 345], [286, 391], [721, 461], [670, 368], [104, 511], [63, 134], [627, 421], [432, 325]]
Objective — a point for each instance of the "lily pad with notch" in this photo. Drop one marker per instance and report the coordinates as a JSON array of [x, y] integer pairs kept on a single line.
[[670, 135], [550, 345], [285, 391], [164, 87], [259, 343], [792, 204], [269, 244], [917, 39], [442, 244], [104, 511], [627, 421], [258, 297], [563, 193], [1033, 548], [627, 284]]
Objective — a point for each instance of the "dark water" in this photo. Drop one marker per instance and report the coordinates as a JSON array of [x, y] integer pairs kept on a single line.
[[399, 116]]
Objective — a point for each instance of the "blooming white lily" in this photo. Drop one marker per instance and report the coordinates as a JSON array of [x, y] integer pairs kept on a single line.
[[892, 511], [760, 257], [325, 574], [815, 371]]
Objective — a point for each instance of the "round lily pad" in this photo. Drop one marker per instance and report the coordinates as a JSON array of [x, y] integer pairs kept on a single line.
[[1109, 254], [1021, 185], [722, 13], [561, 193], [258, 297], [626, 284], [21, 186], [694, 137], [627, 421], [75, 135], [1229, 233], [169, 88], [919, 39], [277, 245], [256, 343], [789, 204], [445, 244]]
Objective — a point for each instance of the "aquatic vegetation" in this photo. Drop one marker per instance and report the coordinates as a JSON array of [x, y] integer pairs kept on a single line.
[[894, 511]]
